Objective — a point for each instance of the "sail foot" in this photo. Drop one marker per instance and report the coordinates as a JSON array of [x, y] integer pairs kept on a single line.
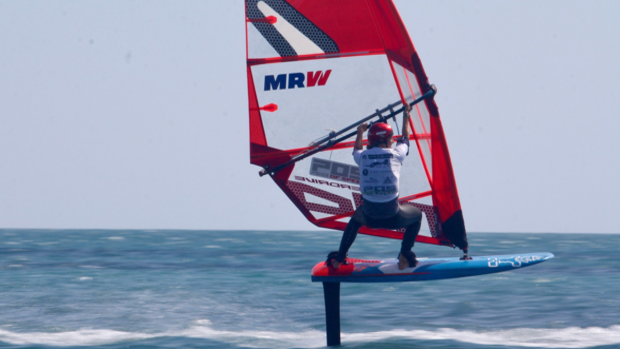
[[454, 230]]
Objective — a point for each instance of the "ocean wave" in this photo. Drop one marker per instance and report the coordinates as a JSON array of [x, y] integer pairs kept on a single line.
[[252, 339], [571, 337]]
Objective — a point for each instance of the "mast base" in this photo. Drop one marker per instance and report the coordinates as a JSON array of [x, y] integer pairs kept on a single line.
[[465, 256]]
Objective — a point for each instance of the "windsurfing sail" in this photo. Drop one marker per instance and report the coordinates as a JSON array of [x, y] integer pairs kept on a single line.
[[316, 69]]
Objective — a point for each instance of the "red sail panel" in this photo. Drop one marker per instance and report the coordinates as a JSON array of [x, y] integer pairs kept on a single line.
[[319, 66], [400, 49], [257, 133], [345, 21]]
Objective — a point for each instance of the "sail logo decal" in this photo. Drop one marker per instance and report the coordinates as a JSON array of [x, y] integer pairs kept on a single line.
[[296, 80], [335, 170], [515, 262], [327, 183]]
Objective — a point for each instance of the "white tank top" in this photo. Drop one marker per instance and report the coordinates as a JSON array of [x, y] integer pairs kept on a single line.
[[380, 171]]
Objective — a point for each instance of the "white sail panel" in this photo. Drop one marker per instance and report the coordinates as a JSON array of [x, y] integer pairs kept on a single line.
[[355, 88]]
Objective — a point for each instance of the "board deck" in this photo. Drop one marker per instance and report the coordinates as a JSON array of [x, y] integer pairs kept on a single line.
[[360, 270]]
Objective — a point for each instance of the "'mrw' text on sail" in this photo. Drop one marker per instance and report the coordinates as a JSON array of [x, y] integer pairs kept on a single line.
[[279, 82]]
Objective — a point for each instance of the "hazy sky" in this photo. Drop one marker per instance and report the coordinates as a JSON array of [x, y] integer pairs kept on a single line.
[[133, 114]]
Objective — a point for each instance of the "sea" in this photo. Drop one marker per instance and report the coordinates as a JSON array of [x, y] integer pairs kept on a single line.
[[252, 289]]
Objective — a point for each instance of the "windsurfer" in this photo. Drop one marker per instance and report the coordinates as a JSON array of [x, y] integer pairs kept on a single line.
[[380, 169]]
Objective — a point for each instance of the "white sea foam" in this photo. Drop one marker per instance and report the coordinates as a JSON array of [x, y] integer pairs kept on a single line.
[[71, 338], [259, 339], [46, 243], [234, 240], [572, 337], [252, 339], [117, 238]]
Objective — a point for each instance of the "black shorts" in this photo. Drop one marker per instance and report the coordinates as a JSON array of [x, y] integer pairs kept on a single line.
[[406, 216]]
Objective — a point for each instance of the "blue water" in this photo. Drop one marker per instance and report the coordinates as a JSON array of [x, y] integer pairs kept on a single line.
[[238, 289]]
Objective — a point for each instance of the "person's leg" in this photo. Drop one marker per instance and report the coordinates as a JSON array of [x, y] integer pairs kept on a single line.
[[348, 237], [410, 235], [406, 258]]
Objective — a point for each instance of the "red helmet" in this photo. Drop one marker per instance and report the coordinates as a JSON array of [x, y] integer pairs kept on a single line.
[[379, 132]]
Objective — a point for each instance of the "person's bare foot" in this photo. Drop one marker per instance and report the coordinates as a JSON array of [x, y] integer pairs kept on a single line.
[[335, 264], [332, 260], [403, 263]]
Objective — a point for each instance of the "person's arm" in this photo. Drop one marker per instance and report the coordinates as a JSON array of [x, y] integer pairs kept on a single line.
[[359, 141], [406, 121]]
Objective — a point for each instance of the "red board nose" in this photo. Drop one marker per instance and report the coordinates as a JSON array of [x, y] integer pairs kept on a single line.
[[269, 107]]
